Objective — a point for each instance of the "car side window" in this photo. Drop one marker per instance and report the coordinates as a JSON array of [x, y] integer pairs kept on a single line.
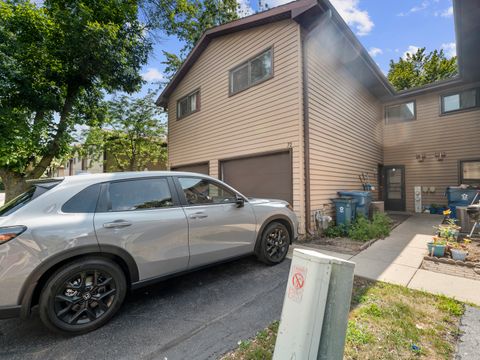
[[200, 191], [84, 201], [139, 194]]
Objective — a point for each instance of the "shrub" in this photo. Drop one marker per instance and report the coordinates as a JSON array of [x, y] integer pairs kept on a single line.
[[334, 231], [364, 230]]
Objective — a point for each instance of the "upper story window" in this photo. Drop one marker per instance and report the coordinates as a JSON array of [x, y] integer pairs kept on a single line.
[[400, 112], [188, 104], [461, 100], [251, 72]]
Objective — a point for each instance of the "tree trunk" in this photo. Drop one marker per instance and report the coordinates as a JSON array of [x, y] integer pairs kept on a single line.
[[14, 183]]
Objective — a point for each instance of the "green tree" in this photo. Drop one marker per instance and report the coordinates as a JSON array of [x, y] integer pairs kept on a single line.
[[56, 60], [133, 134], [187, 20], [420, 69]]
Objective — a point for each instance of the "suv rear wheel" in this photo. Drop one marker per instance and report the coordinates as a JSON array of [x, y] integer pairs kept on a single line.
[[82, 295]]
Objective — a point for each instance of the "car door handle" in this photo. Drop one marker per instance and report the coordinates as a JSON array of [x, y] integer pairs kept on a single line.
[[198, 215], [117, 224]]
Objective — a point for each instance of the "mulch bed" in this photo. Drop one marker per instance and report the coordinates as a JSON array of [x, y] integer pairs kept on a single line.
[[348, 246], [341, 244]]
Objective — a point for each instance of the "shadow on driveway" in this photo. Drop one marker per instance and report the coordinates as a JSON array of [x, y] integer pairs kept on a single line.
[[201, 315]]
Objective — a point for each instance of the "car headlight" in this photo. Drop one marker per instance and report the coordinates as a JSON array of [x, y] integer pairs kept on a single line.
[[10, 232]]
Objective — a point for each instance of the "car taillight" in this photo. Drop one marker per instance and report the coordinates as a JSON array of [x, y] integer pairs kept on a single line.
[[10, 232]]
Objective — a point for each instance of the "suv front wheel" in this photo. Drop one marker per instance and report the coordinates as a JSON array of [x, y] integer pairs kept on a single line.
[[82, 295]]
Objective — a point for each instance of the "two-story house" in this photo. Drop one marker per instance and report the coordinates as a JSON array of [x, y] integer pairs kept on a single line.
[[288, 104]]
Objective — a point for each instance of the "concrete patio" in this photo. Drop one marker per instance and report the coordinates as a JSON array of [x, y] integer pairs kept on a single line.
[[397, 260]]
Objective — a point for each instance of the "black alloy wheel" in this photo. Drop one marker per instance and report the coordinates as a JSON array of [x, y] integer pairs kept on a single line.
[[275, 243], [82, 296]]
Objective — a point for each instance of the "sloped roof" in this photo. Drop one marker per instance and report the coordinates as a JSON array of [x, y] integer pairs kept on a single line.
[[363, 67], [302, 11]]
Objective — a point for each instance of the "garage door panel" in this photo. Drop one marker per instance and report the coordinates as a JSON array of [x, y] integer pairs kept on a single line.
[[265, 176], [196, 168]]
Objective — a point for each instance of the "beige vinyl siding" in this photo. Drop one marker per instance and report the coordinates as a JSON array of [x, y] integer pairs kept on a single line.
[[456, 134], [345, 123], [264, 118]]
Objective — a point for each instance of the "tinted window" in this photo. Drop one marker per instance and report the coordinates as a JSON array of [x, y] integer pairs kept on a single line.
[[202, 191], [188, 104], [83, 202], [139, 195], [32, 193], [462, 100], [251, 72], [400, 112]]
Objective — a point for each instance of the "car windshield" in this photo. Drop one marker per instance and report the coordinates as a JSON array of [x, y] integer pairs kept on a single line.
[[20, 201]]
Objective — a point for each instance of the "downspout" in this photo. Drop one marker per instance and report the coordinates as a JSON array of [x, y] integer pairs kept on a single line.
[[306, 139]]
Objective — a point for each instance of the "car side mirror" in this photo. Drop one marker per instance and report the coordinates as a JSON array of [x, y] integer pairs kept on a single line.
[[240, 201]]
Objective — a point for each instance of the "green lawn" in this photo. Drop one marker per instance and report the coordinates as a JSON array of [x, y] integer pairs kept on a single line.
[[385, 322]]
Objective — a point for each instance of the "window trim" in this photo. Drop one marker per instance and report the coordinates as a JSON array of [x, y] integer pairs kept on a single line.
[[187, 96], [183, 199], [450, 93], [236, 67], [103, 200], [460, 172], [414, 101]]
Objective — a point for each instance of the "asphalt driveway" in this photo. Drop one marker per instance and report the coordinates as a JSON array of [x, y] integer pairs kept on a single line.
[[201, 315]]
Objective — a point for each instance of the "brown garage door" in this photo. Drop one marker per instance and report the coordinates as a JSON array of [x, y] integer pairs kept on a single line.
[[198, 168], [265, 176]]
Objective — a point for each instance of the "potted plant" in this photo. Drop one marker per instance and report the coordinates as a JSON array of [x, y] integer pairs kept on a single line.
[[437, 246], [449, 230], [459, 251]]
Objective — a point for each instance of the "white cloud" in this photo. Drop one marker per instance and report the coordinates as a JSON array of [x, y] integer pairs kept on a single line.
[[358, 19], [374, 51], [244, 8], [445, 13], [412, 49], [420, 7], [152, 74], [450, 49]]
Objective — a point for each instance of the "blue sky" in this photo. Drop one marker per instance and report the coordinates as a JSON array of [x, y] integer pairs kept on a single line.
[[387, 29]]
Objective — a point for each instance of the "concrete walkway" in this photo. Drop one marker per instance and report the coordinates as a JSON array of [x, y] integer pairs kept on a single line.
[[397, 260]]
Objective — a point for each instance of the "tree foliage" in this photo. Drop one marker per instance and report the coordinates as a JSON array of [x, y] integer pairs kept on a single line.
[[420, 69], [56, 60], [133, 134], [187, 20]]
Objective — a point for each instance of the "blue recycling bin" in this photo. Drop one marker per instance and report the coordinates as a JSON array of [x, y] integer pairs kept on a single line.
[[459, 196], [345, 208], [363, 198]]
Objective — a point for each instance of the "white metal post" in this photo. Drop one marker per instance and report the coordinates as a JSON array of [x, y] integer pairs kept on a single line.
[[315, 309]]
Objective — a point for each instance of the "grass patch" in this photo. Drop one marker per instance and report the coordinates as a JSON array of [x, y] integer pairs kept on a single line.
[[385, 322]]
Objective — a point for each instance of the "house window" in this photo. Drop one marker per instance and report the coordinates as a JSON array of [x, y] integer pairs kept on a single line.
[[188, 104], [460, 101], [400, 112], [470, 171], [252, 72]]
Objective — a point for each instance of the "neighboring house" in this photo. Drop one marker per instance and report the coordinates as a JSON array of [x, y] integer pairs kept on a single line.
[[288, 104]]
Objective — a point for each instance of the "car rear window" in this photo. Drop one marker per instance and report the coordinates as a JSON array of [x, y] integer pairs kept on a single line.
[[83, 202], [32, 193]]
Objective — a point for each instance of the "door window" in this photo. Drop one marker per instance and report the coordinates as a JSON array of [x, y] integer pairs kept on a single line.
[[139, 195], [200, 191], [394, 181]]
